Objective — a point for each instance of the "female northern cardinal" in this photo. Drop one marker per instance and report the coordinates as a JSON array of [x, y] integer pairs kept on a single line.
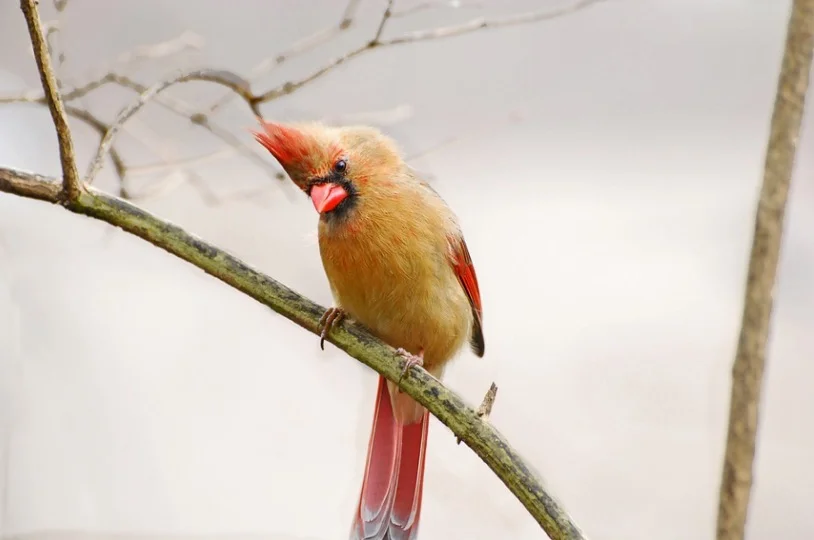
[[397, 263]]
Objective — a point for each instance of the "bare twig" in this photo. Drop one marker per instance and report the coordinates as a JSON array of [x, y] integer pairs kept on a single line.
[[747, 371], [239, 86], [173, 105], [388, 12], [102, 128], [422, 35], [348, 14], [70, 176], [213, 199], [221, 77], [163, 166], [187, 40], [486, 441], [36, 96], [483, 24], [486, 405], [186, 111], [488, 402], [53, 39], [302, 46], [51, 30], [469, 133]]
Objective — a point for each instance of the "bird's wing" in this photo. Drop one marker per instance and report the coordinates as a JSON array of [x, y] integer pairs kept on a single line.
[[465, 270]]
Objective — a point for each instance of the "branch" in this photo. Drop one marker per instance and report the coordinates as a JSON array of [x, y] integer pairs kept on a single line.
[[241, 87], [225, 78], [442, 402], [422, 35], [118, 163], [486, 405], [163, 49], [300, 47], [747, 371], [175, 106], [388, 12], [482, 23], [70, 176], [36, 96]]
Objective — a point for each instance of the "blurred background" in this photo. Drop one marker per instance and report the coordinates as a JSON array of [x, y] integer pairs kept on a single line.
[[604, 165]]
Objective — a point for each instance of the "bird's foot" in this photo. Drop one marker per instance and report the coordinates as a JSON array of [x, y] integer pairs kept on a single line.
[[331, 317], [412, 360]]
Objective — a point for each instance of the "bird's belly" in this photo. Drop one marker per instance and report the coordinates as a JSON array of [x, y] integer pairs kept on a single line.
[[424, 311]]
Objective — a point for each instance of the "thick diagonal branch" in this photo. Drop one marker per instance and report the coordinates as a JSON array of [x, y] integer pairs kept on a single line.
[[747, 371], [442, 402]]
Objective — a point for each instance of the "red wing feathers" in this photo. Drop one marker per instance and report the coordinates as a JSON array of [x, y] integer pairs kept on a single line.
[[465, 270]]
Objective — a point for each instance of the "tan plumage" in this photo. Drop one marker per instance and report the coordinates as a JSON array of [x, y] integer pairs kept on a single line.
[[396, 261]]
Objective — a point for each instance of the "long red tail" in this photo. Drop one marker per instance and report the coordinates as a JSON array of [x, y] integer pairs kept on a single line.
[[390, 501]]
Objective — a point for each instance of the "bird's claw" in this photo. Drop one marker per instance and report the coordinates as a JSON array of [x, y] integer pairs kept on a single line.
[[411, 360], [331, 317]]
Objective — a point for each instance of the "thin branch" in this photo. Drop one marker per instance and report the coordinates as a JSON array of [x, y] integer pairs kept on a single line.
[[53, 38], [486, 405], [186, 111], [422, 35], [302, 46], [173, 105], [187, 40], [488, 402], [51, 30], [241, 87], [36, 96], [292, 86], [388, 12], [70, 176], [167, 185], [486, 441], [101, 128], [748, 368], [468, 134], [348, 14], [163, 166], [218, 76], [483, 23], [213, 199]]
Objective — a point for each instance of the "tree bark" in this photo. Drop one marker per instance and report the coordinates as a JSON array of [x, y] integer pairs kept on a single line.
[[748, 368]]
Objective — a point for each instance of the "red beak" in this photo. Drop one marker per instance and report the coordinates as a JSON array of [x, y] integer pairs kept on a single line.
[[327, 196]]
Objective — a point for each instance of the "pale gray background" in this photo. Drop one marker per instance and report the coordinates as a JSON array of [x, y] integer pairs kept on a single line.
[[606, 187]]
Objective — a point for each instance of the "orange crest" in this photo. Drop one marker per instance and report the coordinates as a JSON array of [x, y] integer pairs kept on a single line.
[[288, 145], [299, 151]]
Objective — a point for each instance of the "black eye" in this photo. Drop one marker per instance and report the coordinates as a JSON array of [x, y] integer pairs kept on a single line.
[[340, 166]]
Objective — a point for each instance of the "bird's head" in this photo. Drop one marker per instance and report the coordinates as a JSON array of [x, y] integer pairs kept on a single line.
[[335, 167]]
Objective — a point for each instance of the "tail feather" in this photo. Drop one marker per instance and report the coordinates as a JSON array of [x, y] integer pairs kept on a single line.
[[390, 500]]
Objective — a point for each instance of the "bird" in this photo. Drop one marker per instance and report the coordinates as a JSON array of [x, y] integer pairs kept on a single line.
[[396, 262]]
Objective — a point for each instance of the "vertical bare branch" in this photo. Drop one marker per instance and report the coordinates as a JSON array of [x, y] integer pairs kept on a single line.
[[747, 371], [70, 176]]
